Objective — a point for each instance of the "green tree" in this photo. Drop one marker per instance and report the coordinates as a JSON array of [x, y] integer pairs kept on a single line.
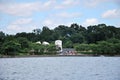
[[38, 49], [30, 36], [51, 49], [77, 38], [2, 38], [117, 48], [37, 31], [24, 42], [10, 47], [46, 34], [105, 48], [68, 44], [82, 47], [113, 40]]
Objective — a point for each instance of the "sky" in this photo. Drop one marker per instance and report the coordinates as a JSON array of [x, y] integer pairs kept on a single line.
[[25, 15]]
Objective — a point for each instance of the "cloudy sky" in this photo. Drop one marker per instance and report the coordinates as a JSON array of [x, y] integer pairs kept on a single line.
[[26, 15]]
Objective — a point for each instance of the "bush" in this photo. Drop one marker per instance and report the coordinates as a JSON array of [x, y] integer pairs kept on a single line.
[[68, 44], [43, 49], [36, 49], [51, 49], [113, 40], [105, 48], [82, 47], [10, 48], [110, 47], [117, 48]]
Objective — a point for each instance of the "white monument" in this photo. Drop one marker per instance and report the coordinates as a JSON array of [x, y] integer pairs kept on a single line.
[[58, 44], [45, 43]]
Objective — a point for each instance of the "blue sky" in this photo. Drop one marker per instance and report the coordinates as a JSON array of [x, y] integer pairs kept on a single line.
[[26, 15]]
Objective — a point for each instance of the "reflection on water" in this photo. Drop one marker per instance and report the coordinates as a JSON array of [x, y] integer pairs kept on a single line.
[[60, 68]]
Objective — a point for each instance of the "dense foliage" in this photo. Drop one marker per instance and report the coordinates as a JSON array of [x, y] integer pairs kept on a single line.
[[109, 47], [97, 39]]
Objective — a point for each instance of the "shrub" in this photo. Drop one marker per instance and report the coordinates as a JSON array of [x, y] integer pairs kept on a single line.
[[43, 49], [105, 48], [82, 47], [10, 48]]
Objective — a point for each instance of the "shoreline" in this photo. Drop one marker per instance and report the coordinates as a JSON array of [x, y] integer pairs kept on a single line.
[[30, 56]]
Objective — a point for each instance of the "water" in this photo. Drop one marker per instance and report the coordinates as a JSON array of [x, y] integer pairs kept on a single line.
[[60, 68]]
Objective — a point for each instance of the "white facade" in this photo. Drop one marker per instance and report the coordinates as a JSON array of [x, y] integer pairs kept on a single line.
[[58, 44]]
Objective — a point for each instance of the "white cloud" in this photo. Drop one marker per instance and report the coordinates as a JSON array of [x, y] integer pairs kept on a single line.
[[21, 9], [12, 29], [61, 18], [68, 15], [22, 21], [50, 23], [115, 13], [67, 3], [49, 3], [93, 3], [25, 9], [91, 21], [20, 25]]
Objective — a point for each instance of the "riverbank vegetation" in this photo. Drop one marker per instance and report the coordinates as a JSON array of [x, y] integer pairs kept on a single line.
[[110, 47], [97, 40]]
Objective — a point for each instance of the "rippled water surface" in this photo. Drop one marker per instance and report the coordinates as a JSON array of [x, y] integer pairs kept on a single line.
[[60, 68]]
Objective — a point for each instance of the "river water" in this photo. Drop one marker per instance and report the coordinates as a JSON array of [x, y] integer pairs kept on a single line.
[[60, 68]]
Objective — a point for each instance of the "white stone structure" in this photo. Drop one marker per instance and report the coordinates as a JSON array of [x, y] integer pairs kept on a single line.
[[45, 43], [58, 44], [38, 42]]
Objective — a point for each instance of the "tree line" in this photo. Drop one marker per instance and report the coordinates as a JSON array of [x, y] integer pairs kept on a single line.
[[73, 36]]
